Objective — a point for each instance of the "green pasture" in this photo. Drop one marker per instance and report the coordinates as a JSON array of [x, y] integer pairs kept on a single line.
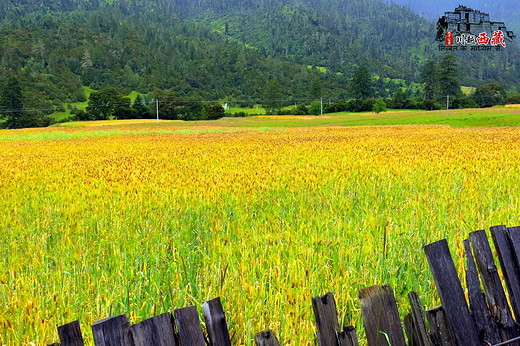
[[478, 117]]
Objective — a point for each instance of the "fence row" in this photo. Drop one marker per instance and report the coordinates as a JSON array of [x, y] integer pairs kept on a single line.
[[490, 318]]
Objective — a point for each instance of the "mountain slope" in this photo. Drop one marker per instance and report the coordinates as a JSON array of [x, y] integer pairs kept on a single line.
[[392, 40], [56, 54], [336, 34], [216, 49]]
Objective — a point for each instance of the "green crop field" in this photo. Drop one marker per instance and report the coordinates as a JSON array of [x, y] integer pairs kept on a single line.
[[135, 217]]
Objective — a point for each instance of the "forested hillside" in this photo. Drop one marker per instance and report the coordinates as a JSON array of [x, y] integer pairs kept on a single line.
[[332, 33], [222, 49], [55, 54], [394, 41]]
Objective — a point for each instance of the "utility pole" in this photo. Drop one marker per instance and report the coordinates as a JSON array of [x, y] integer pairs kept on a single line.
[[157, 109], [447, 101]]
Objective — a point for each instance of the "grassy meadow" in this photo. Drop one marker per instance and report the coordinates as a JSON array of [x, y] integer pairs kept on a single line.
[[103, 218]]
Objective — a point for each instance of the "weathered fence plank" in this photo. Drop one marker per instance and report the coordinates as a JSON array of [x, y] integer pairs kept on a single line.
[[70, 334], [451, 293], [266, 338], [441, 333], [188, 326], [514, 236], [495, 295], [380, 316], [216, 324], [326, 316], [112, 331], [419, 324], [410, 331], [348, 337], [155, 331], [486, 326], [507, 261]]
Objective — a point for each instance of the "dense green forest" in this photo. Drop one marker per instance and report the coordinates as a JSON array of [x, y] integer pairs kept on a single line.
[[224, 49], [54, 54]]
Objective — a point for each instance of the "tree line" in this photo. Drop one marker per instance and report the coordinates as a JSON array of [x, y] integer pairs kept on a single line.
[[440, 83]]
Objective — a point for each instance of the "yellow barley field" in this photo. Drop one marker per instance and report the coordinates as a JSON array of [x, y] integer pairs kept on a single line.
[[97, 223]]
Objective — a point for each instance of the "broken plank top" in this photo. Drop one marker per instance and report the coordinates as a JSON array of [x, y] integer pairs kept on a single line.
[[112, 331], [441, 333], [326, 316], [266, 338], [419, 324], [155, 331], [70, 334]]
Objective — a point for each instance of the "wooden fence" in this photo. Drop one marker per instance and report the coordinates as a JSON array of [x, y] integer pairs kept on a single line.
[[487, 320]]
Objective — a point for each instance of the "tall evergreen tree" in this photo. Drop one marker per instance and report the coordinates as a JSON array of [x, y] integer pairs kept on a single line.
[[272, 96], [11, 105], [316, 89], [362, 83], [449, 77], [429, 80]]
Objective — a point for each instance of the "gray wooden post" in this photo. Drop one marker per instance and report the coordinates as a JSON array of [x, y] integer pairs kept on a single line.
[[112, 331], [70, 334], [266, 338], [450, 292], [188, 326], [155, 331], [216, 324], [380, 316]]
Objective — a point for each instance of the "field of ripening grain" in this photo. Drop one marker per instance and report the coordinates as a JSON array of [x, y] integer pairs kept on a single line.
[[101, 221]]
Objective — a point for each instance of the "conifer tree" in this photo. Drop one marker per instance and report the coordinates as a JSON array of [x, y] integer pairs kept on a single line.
[[362, 83], [11, 104], [449, 77], [429, 80]]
